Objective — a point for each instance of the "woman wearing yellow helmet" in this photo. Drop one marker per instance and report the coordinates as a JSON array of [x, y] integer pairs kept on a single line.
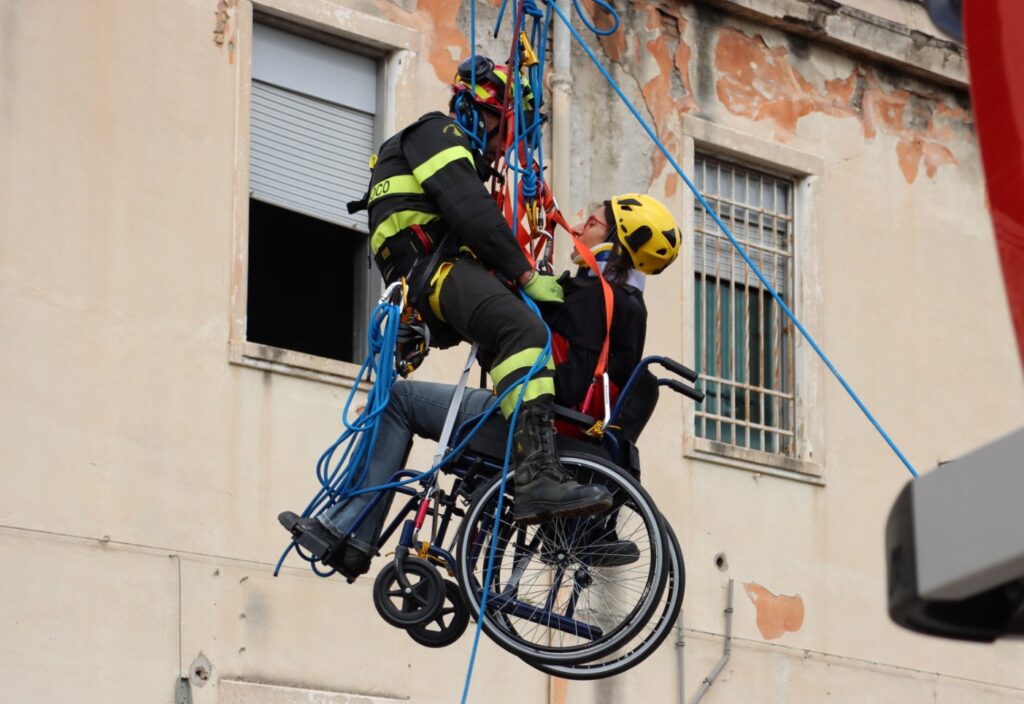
[[630, 235]]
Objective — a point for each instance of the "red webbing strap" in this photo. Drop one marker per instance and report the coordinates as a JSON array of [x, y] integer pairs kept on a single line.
[[554, 215], [518, 231], [609, 303], [503, 197]]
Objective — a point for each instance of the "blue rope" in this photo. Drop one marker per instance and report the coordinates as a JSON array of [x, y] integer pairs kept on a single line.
[[345, 481], [526, 138], [466, 114], [501, 16], [538, 365], [728, 233], [472, 45], [530, 8], [359, 436], [593, 28], [526, 150]]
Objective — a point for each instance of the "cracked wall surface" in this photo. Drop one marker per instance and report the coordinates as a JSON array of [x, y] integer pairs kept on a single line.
[[757, 73], [763, 75]]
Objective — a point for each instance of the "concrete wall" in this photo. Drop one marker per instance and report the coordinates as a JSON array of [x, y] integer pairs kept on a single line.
[[141, 470]]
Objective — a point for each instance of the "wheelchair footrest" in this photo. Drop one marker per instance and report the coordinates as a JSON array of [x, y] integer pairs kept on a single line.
[[304, 539], [319, 547]]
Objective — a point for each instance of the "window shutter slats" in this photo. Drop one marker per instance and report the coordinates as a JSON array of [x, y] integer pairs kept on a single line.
[[308, 155]]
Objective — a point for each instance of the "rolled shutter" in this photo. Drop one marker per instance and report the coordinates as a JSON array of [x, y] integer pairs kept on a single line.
[[310, 141]]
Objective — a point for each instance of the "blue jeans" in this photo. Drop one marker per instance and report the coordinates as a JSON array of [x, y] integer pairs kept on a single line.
[[416, 408]]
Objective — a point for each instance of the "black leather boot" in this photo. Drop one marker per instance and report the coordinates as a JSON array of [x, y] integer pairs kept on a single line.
[[544, 490], [331, 550]]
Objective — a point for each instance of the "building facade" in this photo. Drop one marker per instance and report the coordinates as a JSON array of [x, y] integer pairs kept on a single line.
[[184, 305]]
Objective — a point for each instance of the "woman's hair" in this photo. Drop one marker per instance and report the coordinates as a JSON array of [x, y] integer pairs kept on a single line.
[[619, 263]]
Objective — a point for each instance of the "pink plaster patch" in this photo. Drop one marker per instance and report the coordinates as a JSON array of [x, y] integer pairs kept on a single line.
[[776, 615]]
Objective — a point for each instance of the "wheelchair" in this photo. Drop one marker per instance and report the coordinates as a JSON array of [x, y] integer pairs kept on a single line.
[[555, 594]]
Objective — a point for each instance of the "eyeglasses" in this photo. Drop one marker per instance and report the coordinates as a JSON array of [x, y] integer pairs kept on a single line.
[[594, 220]]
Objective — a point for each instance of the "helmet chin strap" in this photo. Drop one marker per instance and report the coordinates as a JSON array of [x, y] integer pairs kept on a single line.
[[601, 253]]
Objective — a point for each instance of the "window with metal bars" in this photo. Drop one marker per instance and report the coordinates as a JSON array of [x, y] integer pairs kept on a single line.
[[744, 345]]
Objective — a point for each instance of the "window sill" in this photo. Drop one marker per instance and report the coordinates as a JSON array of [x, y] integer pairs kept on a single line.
[[298, 364], [752, 460]]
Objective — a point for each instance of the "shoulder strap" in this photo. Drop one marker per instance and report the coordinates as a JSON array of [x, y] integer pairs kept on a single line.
[[555, 216], [609, 303]]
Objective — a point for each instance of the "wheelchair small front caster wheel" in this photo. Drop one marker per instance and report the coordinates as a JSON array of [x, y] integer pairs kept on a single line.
[[410, 595], [448, 625]]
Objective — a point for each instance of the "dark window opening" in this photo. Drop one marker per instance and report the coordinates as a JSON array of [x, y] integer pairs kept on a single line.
[[307, 283]]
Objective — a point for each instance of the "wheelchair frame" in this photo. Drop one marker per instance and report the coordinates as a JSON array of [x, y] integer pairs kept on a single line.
[[472, 468]]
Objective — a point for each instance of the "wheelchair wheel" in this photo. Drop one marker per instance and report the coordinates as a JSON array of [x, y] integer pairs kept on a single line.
[[641, 645], [408, 595], [448, 624], [566, 591]]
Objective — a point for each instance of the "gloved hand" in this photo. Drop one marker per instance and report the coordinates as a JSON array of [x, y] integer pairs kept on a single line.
[[544, 288]]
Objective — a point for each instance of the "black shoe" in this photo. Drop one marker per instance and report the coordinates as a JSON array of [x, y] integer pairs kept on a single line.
[[607, 552], [604, 551], [353, 563], [312, 535], [544, 489]]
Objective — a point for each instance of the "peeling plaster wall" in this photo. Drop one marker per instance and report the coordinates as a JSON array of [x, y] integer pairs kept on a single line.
[[141, 472]]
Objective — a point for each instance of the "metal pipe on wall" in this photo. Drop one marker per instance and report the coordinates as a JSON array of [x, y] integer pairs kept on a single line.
[[561, 126], [561, 151], [727, 652], [681, 645]]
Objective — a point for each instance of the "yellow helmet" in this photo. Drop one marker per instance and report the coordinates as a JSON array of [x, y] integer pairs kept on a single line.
[[647, 230]]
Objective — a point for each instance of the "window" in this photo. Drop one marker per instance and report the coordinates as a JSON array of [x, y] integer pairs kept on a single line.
[[312, 127], [743, 340]]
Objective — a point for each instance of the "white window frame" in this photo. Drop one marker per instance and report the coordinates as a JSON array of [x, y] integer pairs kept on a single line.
[[394, 45], [805, 169]]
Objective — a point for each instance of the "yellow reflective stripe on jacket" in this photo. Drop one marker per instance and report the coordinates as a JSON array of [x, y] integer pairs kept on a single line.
[[440, 160], [396, 222], [534, 389], [435, 293], [523, 359], [401, 185]]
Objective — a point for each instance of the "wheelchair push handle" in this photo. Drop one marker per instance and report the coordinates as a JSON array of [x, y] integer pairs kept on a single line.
[[674, 366], [678, 386], [682, 388]]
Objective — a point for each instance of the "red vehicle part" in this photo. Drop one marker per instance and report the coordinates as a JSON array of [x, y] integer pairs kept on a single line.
[[995, 53]]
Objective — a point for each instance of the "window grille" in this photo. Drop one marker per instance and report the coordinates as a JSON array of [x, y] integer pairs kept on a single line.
[[744, 345]]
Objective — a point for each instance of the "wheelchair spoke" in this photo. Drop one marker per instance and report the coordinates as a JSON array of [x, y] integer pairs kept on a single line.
[[570, 589]]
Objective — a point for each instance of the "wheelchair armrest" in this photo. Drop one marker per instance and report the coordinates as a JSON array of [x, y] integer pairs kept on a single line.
[[573, 416]]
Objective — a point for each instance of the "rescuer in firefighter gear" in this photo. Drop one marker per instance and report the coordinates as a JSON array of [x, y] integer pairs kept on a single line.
[[630, 235], [434, 223]]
